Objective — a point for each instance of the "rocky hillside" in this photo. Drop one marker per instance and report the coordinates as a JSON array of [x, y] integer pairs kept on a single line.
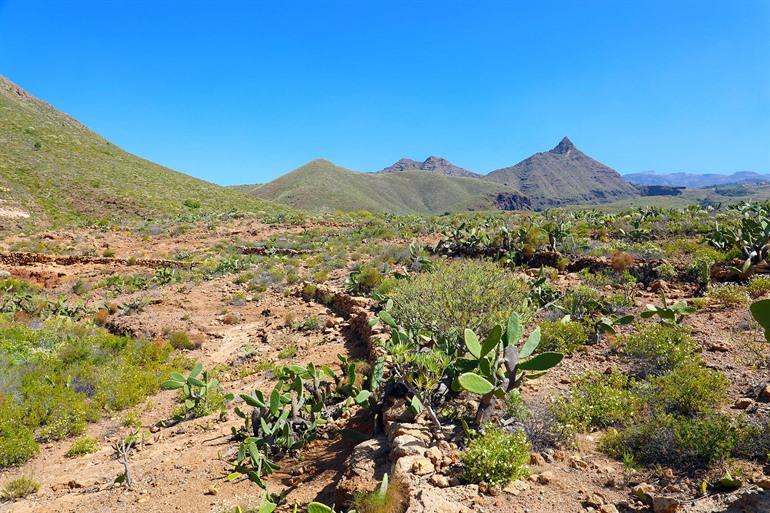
[[54, 170], [434, 164], [321, 185], [564, 175]]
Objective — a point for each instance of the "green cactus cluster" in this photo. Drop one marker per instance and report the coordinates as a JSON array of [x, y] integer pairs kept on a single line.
[[198, 389], [290, 416], [495, 366]]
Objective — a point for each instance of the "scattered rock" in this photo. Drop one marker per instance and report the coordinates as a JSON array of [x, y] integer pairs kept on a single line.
[[763, 483], [422, 466], [719, 347], [643, 489], [407, 445], [535, 458], [212, 490], [431, 500], [608, 508], [659, 286], [577, 463], [743, 403], [439, 481], [665, 505], [435, 455], [546, 477], [516, 487], [594, 500]]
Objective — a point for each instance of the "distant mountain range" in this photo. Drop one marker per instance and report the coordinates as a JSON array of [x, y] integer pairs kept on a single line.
[[693, 180], [562, 176]]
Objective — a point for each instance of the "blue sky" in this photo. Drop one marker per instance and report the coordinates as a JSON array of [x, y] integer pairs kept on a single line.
[[241, 92]]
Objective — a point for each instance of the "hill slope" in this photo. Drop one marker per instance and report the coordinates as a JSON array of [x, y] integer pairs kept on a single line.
[[433, 164], [54, 170], [564, 175], [322, 186]]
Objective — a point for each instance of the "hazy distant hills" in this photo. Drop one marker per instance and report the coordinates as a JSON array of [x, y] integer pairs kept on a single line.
[[321, 185], [692, 180], [55, 170]]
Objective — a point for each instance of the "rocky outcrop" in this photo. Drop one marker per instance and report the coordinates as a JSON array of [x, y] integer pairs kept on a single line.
[[433, 164], [512, 201]]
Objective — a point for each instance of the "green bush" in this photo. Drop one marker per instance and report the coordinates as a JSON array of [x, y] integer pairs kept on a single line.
[[496, 457], [681, 442], [83, 446], [753, 439], [582, 302], [19, 488], [563, 337], [597, 401], [515, 407], [666, 271], [181, 340], [758, 286], [688, 390], [458, 295], [17, 442], [57, 378], [657, 348], [729, 294], [364, 279]]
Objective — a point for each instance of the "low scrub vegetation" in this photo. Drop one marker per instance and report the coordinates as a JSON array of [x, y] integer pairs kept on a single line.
[[458, 295], [496, 457], [63, 375]]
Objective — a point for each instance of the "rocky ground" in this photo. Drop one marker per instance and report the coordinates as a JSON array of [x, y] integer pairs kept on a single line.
[[181, 468]]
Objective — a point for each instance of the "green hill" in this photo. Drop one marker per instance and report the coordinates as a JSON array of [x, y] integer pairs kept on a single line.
[[322, 186], [54, 170]]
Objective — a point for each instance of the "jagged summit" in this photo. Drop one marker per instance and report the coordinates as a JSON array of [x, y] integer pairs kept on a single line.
[[564, 175], [564, 147], [433, 163]]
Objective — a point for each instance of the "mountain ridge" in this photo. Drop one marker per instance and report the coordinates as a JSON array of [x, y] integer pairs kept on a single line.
[[321, 185], [433, 164]]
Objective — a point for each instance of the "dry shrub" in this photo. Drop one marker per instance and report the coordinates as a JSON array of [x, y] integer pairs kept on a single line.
[[101, 317], [394, 500], [622, 261]]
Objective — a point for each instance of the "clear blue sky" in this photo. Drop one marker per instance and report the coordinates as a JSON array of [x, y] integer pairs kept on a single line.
[[238, 92]]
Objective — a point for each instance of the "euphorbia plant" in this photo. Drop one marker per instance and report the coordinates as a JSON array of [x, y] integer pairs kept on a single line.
[[496, 366]]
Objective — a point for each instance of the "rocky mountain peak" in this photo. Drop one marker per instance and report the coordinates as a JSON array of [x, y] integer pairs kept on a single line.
[[564, 146]]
